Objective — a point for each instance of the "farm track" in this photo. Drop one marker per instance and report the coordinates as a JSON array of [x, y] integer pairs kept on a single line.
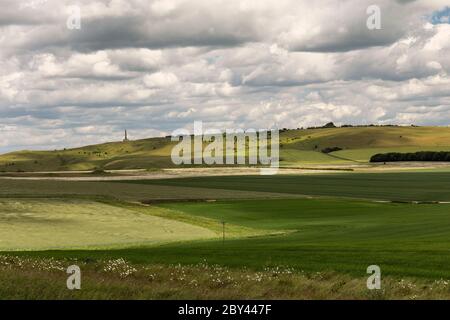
[[139, 174]]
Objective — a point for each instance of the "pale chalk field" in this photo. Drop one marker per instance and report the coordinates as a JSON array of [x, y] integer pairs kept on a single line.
[[39, 224]]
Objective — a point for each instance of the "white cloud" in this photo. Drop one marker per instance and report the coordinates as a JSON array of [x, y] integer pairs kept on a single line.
[[161, 80], [155, 66]]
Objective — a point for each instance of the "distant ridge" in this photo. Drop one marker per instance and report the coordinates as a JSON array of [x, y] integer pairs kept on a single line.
[[297, 147]]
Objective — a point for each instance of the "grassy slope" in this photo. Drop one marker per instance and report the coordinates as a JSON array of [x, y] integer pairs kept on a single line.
[[380, 139], [297, 147], [364, 155], [114, 155]]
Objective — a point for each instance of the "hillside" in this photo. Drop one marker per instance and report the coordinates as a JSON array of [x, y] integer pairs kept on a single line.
[[297, 147]]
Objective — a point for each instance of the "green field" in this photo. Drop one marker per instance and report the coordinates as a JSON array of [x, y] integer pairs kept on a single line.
[[39, 224], [328, 234], [364, 155], [297, 148], [322, 233], [395, 186], [398, 186], [406, 240], [123, 191], [336, 224]]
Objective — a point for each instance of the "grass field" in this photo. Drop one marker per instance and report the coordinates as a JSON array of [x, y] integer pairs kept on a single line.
[[335, 235], [364, 155], [123, 191], [297, 147], [398, 186], [395, 186], [332, 225], [327, 235], [30, 224]]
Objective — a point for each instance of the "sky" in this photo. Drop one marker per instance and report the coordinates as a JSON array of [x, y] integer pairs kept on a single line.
[[153, 67]]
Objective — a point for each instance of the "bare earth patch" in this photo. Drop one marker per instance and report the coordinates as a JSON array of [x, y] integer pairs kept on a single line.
[[141, 174]]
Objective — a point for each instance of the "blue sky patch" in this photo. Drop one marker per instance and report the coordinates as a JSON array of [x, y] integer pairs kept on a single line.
[[441, 16]]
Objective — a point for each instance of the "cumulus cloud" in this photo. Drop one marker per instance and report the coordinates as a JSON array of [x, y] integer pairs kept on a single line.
[[160, 80], [155, 66]]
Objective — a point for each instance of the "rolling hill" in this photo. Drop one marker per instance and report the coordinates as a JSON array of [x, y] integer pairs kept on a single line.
[[297, 147]]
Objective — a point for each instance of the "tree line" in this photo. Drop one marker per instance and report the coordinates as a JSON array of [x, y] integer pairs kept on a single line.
[[415, 156]]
